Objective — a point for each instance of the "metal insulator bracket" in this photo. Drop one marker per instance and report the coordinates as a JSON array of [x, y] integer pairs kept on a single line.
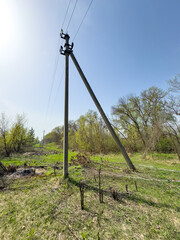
[[62, 51]]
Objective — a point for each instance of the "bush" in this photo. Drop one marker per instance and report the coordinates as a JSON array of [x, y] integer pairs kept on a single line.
[[164, 145]]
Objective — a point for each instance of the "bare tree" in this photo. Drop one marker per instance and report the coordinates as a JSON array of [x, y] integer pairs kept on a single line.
[[172, 126], [4, 123], [174, 84], [143, 115]]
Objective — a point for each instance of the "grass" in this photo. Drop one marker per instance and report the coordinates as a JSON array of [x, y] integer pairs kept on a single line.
[[48, 207], [47, 158]]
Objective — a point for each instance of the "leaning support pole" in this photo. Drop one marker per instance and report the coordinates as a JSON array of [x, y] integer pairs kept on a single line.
[[122, 149]]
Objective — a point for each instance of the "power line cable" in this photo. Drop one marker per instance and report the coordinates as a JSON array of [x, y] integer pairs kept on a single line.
[[66, 14], [52, 109], [61, 78], [57, 56], [71, 16], [56, 60], [53, 79], [82, 20]]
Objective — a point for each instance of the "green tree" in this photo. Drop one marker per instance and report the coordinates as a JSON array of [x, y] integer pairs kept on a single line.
[[30, 140], [92, 134], [5, 143], [55, 136], [73, 127], [18, 133]]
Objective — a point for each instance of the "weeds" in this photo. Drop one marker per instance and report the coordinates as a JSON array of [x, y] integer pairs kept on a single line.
[[48, 207]]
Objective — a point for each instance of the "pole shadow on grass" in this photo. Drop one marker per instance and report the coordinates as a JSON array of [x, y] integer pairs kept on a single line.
[[96, 190], [131, 197], [138, 199]]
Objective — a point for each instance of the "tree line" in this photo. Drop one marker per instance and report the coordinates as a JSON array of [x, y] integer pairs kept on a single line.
[[145, 123], [15, 138], [149, 122]]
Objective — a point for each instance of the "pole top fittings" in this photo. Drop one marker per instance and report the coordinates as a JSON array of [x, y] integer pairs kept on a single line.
[[63, 35], [68, 47]]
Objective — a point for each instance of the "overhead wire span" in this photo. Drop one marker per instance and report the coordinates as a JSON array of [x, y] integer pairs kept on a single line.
[[57, 56], [66, 14], [56, 60], [53, 79], [61, 78], [82, 20], [71, 15], [58, 87]]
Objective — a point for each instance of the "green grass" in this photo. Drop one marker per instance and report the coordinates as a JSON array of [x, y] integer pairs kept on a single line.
[[35, 160], [48, 207]]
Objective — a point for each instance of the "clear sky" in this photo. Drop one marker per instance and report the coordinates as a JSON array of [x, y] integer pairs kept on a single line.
[[123, 47]]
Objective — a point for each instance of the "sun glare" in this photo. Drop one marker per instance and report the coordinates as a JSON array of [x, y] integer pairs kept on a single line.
[[5, 24]]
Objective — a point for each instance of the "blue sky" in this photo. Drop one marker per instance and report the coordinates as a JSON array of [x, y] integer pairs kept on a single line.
[[123, 47]]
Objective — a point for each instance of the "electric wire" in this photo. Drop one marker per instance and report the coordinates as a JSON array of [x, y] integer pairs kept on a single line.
[[71, 15], [56, 61], [61, 78], [53, 80], [82, 20], [66, 14], [62, 40], [65, 18], [57, 56], [57, 91]]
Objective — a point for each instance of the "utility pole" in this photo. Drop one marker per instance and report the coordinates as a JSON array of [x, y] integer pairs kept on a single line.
[[68, 51]]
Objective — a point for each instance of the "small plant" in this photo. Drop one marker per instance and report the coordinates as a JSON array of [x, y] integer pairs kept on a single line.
[[82, 189], [11, 169], [115, 194], [94, 178], [54, 168], [101, 196], [135, 183], [127, 189], [84, 235], [100, 190], [99, 217]]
